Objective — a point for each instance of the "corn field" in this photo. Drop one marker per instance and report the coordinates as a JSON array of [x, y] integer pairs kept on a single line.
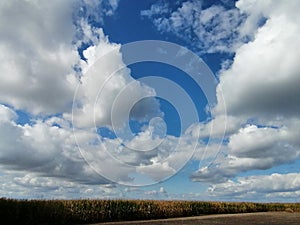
[[94, 211]]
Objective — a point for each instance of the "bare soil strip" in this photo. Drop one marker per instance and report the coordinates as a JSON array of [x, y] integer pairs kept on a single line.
[[266, 218]]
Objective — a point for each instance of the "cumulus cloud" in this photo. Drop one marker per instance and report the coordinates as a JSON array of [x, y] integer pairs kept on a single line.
[[260, 91], [260, 186], [31, 41], [38, 57], [41, 68], [161, 192], [40, 71], [145, 165], [37, 76], [105, 90], [270, 87], [251, 148], [45, 147], [6, 114], [33, 186]]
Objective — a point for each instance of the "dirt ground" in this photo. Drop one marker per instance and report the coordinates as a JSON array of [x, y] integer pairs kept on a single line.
[[267, 218]]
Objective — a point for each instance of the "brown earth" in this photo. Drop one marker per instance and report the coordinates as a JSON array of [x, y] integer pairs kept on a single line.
[[266, 218]]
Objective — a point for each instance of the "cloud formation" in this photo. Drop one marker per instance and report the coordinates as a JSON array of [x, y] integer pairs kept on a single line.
[[261, 93], [263, 186], [40, 71], [41, 68], [208, 30], [37, 57]]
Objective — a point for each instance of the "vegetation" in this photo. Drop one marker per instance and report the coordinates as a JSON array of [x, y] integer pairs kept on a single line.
[[93, 211]]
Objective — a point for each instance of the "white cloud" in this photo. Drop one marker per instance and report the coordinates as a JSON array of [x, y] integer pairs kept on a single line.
[[260, 87], [140, 166], [251, 148], [254, 142], [43, 148], [217, 127], [209, 30], [157, 170], [159, 8], [97, 9], [36, 55], [265, 71], [260, 187], [32, 185], [39, 49], [161, 192], [39, 66], [6, 114], [47, 148], [38, 77], [261, 94], [105, 85]]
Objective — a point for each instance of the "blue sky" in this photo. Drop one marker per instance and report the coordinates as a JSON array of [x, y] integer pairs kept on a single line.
[[188, 99]]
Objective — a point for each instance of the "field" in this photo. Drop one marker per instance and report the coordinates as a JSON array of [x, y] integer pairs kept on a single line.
[[96, 211], [260, 218]]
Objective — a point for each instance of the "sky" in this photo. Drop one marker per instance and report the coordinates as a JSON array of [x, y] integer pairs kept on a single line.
[[128, 99]]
